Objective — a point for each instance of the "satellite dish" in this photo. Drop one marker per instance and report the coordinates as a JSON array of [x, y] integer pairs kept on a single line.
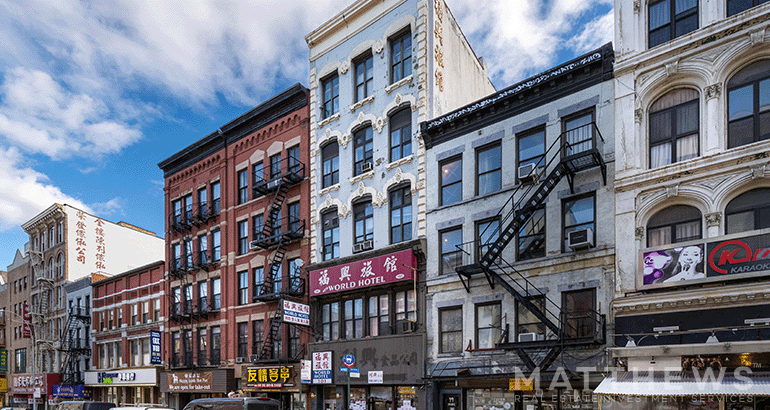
[[300, 263]]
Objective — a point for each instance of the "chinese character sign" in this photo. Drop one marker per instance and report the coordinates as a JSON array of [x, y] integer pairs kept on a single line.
[[155, 347], [26, 329], [268, 377], [297, 313], [322, 367], [379, 270], [3, 360]]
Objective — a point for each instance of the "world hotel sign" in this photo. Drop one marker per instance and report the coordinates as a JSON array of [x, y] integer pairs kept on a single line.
[[379, 270]]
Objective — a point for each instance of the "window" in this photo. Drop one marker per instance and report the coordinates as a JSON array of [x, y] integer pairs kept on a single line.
[[243, 237], [670, 19], [488, 170], [215, 198], [188, 253], [258, 331], [364, 222], [203, 210], [578, 214], [451, 181], [451, 327], [401, 134], [401, 57], [674, 128], [678, 223], [578, 133], [294, 341], [526, 321], [736, 6], [277, 223], [379, 322], [331, 164], [110, 318], [203, 248], [259, 281], [331, 96], [331, 235], [294, 275], [578, 306], [215, 345], [531, 238], [177, 301], [292, 155], [277, 344], [60, 232], [354, 322], [401, 214], [216, 297], [156, 310], [202, 346], [59, 268], [451, 254], [294, 219], [203, 295], [51, 237], [330, 321], [748, 100], [136, 358], [243, 339], [134, 314], [363, 150], [748, 211], [364, 77], [188, 208], [188, 299], [215, 241], [277, 278], [120, 316], [405, 306], [531, 148], [243, 186], [488, 325], [258, 172], [487, 231], [258, 225], [275, 166], [243, 287]]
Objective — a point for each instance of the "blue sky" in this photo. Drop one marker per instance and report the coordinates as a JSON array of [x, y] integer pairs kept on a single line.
[[94, 94]]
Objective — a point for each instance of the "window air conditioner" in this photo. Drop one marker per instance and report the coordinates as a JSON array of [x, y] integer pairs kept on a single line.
[[239, 360], [367, 245], [405, 326], [530, 337], [581, 239], [273, 184], [254, 358], [366, 166], [527, 171]]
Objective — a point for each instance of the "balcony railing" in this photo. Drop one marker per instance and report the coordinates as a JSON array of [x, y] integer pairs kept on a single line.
[[215, 357], [287, 229], [285, 171]]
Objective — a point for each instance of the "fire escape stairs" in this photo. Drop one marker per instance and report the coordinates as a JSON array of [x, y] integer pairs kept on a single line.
[[566, 159], [275, 327], [72, 347]]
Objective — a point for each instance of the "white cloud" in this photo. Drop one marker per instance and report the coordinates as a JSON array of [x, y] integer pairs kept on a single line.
[[521, 38], [597, 32], [25, 192], [109, 208]]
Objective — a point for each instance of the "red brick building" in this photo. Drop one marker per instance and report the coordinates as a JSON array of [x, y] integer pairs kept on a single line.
[[127, 317], [237, 206]]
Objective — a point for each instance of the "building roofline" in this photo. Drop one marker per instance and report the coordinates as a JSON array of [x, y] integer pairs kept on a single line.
[[338, 20], [129, 272], [48, 212]]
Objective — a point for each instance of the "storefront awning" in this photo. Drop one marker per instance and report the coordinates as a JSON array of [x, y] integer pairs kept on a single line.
[[678, 383]]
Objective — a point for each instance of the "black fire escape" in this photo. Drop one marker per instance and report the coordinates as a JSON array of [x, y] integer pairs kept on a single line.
[[573, 152], [277, 232], [74, 346], [183, 308]]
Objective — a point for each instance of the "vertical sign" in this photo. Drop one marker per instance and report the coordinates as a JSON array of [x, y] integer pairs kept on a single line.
[[3, 360], [155, 347], [305, 372], [322, 367], [26, 329]]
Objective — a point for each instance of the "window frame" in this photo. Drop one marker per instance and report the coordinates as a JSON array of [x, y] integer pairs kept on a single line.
[[458, 228], [541, 232], [754, 3], [367, 218], [334, 230], [755, 100], [398, 69], [564, 130], [537, 159], [243, 339], [332, 177], [535, 299], [216, 248], [257, 336], [477, 226], [479, 326], [756, 211], [216, 198], [243, 237], [567, 317], [673, 225], [441, 165], [675, 111], [258, 281], [565, 227], [243, 186], [332, 81], [405, 191], [243, 287], [499, 171], [442, 331], [367, 85], [673, 20], [363, 138], [400, 122]]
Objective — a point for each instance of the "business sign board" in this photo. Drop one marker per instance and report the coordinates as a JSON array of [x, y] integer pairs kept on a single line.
[[190, 382], [77, 391], [322, 367], [296, 313], [26, 316], [3, 360], [375, 377], [155, 347], [364, 273], [136, 377], [306, 371], [268, 376], [728, 257], [3, 385]]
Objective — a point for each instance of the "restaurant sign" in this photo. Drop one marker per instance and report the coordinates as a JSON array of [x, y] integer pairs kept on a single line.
[[190, 381], [268, 377], [364, 273]]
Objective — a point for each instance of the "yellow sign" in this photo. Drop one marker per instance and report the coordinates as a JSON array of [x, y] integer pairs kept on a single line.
[[521, 384], [3, 385]]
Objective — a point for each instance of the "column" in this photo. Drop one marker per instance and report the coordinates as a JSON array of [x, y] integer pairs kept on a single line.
[[711, 134]]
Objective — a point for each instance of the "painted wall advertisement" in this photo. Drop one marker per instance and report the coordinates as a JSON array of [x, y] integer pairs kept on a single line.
[[379, 270], [711, 261], [322, 367], [155, 347]]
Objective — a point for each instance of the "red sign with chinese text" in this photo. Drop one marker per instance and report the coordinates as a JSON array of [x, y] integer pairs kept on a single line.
[[379, 270]]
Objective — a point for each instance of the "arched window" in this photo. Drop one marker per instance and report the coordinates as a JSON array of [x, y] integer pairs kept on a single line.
[[748, 102], [330, 226], [50, 268], [60, 265], [400, 200], [678, 223], [401, 134], [330, 161], [674, 123], [748, 211]]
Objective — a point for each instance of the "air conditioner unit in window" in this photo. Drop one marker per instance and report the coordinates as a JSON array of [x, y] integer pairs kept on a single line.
[[239, 360], [527, 171], [363, 246], [254, 358], [367, 166], [581, 239], [273, 184], [530, 337], [330, 222], [405, 326]]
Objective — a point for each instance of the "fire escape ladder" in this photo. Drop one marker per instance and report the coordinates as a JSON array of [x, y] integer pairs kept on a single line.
[[275, 327], [275, 267], [74, 348], [272, 224]]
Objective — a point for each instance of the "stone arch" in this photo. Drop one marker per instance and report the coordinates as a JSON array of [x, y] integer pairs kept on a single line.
[[400, 178], [661, 200], [327, 137], [329, 203], [363, 191], [399, 102], [737, 185]]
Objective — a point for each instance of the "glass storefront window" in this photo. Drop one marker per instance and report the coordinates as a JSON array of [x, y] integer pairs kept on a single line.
[[406, 398], [358, 398], [381, 398]]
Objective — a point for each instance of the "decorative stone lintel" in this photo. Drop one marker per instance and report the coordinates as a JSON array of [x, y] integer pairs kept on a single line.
[[713, 91], [344, 67], [328, 119], [345, 140], [335, 187], [759, 172], [639, 232], [399, 83], [713, 219], [757, 36], [361, 177], [672, 191], [672, 68], [367, 100], [638, 115], [398, 163]]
